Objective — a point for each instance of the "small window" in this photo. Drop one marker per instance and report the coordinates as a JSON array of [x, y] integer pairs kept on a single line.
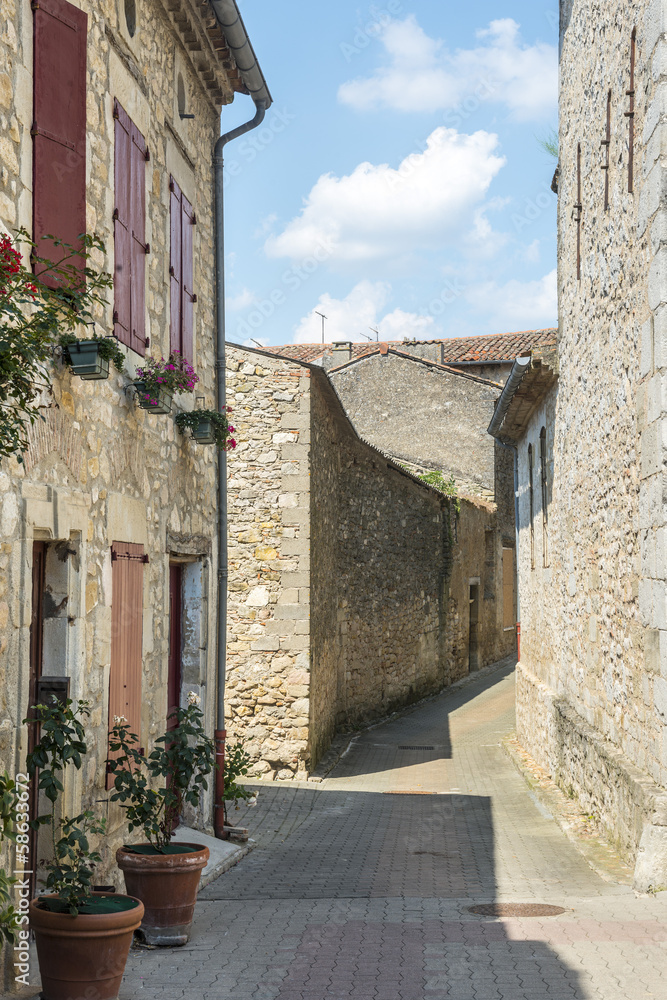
[[531, 499], [131, 16], [545, 497]]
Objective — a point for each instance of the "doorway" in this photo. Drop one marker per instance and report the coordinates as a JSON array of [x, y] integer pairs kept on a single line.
[[175, 641], [473, 632]]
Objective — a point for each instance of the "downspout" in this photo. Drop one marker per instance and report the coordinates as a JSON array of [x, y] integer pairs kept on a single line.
[[220, 368], [229, 19]]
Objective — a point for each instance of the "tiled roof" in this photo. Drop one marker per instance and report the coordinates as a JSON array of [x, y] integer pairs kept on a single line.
[[490, 348]]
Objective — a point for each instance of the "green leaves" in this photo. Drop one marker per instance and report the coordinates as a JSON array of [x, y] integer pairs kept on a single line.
[[61, 743], [8, 819], [31, 316], [237, 763], [178, 765]]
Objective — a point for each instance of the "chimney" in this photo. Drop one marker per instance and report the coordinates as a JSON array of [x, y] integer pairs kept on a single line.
[[341, 351]]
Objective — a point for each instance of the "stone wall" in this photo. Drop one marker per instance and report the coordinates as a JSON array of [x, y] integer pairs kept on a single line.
[[99, 469], [422, 414], [268, 640], [349, 578], [593, 674]]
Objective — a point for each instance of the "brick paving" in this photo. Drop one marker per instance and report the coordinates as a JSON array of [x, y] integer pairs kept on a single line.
[[360, 886]]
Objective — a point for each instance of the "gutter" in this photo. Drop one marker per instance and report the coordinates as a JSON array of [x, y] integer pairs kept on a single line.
[[515, 379], [232, 25]]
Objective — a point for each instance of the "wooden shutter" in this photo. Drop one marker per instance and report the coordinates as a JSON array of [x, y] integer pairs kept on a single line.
[[508, 588], [127, 589], [129, 232], [59, 127], [182, 297], [175, 264], [187, 334]]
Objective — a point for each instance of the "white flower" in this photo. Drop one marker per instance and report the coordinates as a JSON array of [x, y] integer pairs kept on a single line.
[[119, 720], [193, 699]]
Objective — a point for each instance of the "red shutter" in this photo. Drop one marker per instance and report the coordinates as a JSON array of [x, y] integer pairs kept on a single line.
[[175, 268], [129, 233], [127, 589], [122, 231], [187, 282], [138, 216], [59, 126]]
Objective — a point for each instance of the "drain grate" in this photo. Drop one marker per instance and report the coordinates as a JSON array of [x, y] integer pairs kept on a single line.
[[516, 910], [416, 748]]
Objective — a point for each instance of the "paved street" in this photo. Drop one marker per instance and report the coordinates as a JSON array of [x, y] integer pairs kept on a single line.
[[361, 886]]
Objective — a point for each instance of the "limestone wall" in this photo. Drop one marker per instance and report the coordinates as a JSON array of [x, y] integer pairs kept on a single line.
[[268, 645], [98, 468]]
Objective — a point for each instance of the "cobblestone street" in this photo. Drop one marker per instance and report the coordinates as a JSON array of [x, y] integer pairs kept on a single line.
[[361, 886]]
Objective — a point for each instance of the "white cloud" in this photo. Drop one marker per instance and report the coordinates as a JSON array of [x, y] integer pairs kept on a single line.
[[517, 305], [350, 318], [380, 211], [422, 75], [244, 299]]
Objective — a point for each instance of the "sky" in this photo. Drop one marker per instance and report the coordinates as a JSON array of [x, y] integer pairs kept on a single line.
[[397, 183]]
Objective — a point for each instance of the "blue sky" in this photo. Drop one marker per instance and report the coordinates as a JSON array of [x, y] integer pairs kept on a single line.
[[397, 181]]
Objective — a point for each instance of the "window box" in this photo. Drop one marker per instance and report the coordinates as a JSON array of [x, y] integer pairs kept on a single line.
[[155, 400], [204, 432], [86, 360]]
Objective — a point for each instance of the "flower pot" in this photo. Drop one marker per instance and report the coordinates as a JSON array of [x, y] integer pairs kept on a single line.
[[204, 432], [167, 885], [85, 359], [82, 956], [156, 400]]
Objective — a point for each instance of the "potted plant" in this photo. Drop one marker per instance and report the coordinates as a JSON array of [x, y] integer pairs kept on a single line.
[[237, 764], [158, 380], [89, 359], [208, 427], [83, 937], [163, 874]]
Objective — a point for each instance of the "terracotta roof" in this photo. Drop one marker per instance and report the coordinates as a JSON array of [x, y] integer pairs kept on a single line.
[[492, 348]]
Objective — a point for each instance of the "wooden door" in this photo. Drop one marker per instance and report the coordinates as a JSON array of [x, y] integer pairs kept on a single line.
[[175, 640]]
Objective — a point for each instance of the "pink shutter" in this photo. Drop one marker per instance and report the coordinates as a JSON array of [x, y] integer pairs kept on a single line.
[[187, 331], [138, 239], [122, 228], [127, 590], [175, 268], [59, 126]]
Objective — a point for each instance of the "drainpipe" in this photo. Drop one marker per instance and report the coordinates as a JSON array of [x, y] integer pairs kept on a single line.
[[232, 25]]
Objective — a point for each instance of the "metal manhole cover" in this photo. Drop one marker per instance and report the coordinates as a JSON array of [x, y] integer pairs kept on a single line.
[[416, 748], [516, 910]]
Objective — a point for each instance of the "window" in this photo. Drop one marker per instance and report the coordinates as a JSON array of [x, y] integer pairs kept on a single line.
[[545, 497], [127, 613], [531, 500], [509, 621], [59, 125], [130, 247], [180, 95], [181, 273]]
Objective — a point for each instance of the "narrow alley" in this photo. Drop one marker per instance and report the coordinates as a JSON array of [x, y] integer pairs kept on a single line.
[[362, 886]]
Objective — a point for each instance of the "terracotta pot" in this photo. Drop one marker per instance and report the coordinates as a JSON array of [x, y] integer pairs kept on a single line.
[[83, 956], [167, 885]]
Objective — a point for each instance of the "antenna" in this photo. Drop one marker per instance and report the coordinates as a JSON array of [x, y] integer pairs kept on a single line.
[[375, 331], [323, 319], [362, 334], [257, 342]]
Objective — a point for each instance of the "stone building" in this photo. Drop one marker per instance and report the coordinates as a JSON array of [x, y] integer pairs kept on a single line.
[[354, 587], [589, 427], [110, 112], [421, 412], [489, 356]]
